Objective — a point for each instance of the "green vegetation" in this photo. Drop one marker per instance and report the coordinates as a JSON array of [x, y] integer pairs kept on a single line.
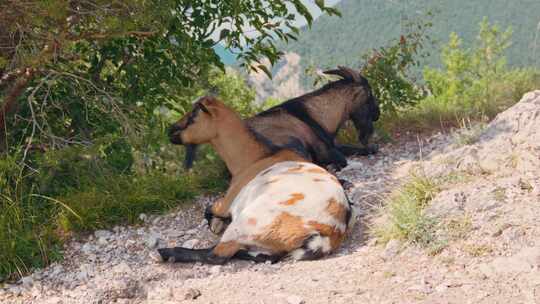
[[473, 85], [403, 216], [87, 91]]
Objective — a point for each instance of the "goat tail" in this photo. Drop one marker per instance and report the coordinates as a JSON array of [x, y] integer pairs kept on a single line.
[[314, 247]]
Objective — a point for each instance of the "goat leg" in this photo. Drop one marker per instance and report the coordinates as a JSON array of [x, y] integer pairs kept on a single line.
[[217, 255], [186, 255], [351, 150], [337, 158]]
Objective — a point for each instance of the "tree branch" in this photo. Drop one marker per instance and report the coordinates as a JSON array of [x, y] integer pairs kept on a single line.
[[9, 105]]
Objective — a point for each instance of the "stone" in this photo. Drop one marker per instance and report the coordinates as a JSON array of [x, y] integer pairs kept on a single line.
[[192, 294], [294, 299], [159, 293], [82, 276], [391, 250], [152, 240], [102, 234], [27, 281], [121, 268], [122, 288], [215, 270], [192, 231], [102, 241], [87, 248], [190, 243]]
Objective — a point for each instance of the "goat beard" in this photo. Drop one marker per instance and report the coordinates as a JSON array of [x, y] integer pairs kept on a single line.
[[191, 153]]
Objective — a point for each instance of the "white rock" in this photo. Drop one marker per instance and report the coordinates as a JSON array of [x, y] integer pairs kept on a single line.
[[102, 234], [82, 275], [190, 243], [441, 288], [192, 231], [293, 299], [192, 294], [143, 217], [87, 248], [391, 250], [102, 241], [215, 270], [159, 293], [152, 240], [27, 281], [121, 268]]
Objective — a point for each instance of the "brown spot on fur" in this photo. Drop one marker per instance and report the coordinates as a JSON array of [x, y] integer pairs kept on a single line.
[[286, 233], [227, 249], [317, 170], [334, 234], [337, 210], [252, 221], [295, 197], [318, 180], [295, 169]]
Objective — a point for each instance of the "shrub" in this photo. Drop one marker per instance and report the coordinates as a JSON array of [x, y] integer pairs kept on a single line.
[[391, 69], [473, 84], [403, 214]]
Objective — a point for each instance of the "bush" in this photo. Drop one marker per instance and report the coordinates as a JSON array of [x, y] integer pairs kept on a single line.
[[46, 197], [473, 84], [391, 69], [27, 238]]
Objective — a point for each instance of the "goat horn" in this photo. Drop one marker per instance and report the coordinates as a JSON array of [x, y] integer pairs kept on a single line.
[[346, 73]]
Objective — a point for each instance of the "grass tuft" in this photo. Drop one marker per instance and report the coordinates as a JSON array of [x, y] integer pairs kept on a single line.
[[403, 214]]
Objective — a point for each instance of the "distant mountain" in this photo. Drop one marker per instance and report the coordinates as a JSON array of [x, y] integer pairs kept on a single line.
[[368, 24]]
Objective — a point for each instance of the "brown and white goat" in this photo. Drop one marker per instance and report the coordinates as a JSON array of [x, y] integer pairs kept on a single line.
[[280, 205]]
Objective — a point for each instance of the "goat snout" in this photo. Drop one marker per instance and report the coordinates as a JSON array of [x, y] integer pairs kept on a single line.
[[175, 134]]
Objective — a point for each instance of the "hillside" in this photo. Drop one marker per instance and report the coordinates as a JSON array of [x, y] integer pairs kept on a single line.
[[483, 238], [368, 24]]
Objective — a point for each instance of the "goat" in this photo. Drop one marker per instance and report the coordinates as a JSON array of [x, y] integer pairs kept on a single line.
[[309, 124], [281, 205]]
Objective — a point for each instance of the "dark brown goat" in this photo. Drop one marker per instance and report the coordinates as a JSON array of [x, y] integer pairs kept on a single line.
[[309, 124]]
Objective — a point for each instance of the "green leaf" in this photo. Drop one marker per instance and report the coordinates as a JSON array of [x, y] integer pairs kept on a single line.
[[265, 70]]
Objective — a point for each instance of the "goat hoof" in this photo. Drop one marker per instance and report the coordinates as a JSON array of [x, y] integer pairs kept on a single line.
[[164, 255], [372, 149], [156, 257], [217, 225]]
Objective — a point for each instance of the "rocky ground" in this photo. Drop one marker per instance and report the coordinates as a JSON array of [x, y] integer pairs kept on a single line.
[[488, 212]]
